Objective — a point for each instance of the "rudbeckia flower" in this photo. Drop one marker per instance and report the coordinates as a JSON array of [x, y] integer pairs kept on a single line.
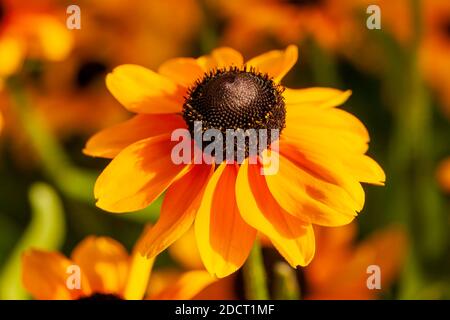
[[321, 156], [30, 29], [107, 272]]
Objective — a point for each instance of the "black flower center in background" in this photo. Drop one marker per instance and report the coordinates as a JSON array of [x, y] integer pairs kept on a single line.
[[89, 72], [237, 99], [101, 296], [2, 11], [305, 3], [446, 28]]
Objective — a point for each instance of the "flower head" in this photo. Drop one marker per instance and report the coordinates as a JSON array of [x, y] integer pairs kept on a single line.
[[106, 272], [320, 155]]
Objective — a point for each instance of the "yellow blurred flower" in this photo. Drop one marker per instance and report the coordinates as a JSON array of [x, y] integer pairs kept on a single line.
[[321, 157], [339, 270], [30, 29], [107, 272]]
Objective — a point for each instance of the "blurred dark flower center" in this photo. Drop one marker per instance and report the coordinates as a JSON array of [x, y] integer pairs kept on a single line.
[[89, 72], [237, 99], [305, 3], [101, 296], [2, 11], [446, 28]]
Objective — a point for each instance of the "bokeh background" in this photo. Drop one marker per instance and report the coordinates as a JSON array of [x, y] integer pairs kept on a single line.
[[53, 97]]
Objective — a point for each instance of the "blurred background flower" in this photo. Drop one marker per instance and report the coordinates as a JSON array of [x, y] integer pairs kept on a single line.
[[53, 97]]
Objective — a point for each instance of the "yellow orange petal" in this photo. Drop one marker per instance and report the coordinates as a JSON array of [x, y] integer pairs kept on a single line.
[[276, 63], [110, 141], [223, 238], [326, 165], [45, 275], [293, 238], [137, 176], [207, 63], [315, 97], [185, 252], [366, 169], [227, 57], [186, 287], [220, 58], [308, 197], [184, 71], [143, 91], [139, 274], [104, 262], [178, 210], [335, 119]]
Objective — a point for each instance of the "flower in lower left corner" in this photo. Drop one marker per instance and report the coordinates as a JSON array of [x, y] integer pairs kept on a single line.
[[107, 272]]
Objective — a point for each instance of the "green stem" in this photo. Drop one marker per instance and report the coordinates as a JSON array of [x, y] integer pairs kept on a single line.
[[46, 231], [415, 199], [255, 275], [324, 67], [286, 284]]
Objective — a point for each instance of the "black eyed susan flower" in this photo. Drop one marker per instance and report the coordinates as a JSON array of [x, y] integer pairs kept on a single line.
[[320, 151], [107, 272]]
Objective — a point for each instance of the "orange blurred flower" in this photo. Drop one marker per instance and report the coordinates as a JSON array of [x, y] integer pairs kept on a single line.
[[443, 175], [435, 48], [322, 157], [339, 270], [30, 29], [397, 19], [107, 272], [256, 23]]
